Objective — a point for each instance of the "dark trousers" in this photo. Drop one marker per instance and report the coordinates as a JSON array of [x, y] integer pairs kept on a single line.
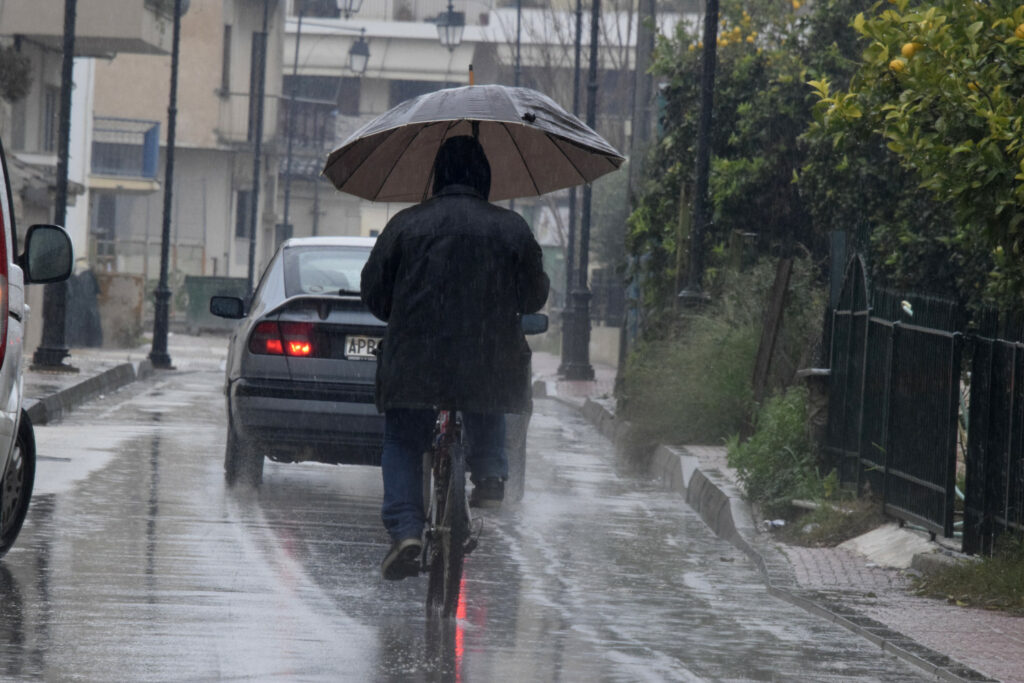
[[407, 434]]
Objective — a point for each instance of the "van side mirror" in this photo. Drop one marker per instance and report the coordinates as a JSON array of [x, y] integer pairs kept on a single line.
[[227, 307], [48, 255]]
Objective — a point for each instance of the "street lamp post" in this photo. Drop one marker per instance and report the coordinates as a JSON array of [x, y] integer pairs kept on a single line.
[[568, 320], [53, 350], [257, 135], [578, 366], [158, 355], [693, 294]]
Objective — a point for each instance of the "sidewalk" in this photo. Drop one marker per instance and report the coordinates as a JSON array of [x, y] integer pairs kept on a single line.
[[51, 393], [864, 584]]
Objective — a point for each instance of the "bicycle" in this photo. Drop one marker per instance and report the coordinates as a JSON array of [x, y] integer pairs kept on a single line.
[[447, 537]]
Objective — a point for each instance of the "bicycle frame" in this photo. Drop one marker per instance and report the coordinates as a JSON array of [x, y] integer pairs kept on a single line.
[[447, 537]]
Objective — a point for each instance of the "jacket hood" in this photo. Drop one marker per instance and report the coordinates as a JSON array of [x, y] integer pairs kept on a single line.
[[462, 161]]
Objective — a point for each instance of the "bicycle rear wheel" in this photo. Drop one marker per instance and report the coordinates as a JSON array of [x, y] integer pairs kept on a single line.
[[450, 534]]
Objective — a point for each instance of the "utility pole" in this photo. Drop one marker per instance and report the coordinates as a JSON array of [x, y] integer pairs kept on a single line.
[[257, 133], [53, 350], [161, 311]]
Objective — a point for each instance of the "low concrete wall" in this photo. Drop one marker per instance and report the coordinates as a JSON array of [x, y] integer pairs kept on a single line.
[[121, 301]]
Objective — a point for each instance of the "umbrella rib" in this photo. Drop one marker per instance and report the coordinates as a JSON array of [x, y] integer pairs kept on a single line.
[[367, 157], [555, 140], [387, 176], [529, 173]]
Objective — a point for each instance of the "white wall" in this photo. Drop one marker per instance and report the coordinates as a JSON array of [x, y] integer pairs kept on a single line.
[[80, 156]]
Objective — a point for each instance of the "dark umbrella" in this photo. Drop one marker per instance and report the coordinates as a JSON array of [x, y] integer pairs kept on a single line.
[[533, 145]]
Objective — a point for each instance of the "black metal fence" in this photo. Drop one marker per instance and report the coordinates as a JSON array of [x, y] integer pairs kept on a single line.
[[900, 400]]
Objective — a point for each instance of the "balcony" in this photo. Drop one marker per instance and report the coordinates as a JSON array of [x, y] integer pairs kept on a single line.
[[125, 154], [102, 27]]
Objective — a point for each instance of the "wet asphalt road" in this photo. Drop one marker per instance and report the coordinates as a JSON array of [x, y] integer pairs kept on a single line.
[[136, 564]]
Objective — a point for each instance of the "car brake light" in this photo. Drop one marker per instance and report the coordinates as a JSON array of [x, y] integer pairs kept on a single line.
[[276, 339]]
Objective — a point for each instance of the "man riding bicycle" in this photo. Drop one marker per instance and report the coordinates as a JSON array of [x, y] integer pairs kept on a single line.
[[451, 277]]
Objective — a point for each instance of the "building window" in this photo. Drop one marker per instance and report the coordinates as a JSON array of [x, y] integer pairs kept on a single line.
[[243, 214], [51, 118], [225, 62]]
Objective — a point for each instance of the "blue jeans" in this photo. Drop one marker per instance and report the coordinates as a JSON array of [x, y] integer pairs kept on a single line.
[[407, 434]]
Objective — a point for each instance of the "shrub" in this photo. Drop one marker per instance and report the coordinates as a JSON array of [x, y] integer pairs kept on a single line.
[[777, 463]]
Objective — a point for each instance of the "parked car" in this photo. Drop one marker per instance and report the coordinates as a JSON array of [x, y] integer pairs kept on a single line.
[[301, 368], [47, 258]]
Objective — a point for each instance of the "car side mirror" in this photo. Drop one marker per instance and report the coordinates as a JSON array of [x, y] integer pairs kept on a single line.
[[48, 255], [227, 307], [534, 323]]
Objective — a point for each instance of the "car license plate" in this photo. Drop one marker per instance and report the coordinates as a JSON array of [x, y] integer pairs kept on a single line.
[[360, 347]]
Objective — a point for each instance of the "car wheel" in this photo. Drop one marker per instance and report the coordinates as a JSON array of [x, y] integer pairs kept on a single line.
[[243, 462], [18, 479], [516, 425]]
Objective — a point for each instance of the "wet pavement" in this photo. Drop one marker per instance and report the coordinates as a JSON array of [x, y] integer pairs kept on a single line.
[[136, 563], [868, 591]]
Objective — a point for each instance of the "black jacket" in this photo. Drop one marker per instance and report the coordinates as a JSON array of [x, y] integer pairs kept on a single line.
[[451, 277]]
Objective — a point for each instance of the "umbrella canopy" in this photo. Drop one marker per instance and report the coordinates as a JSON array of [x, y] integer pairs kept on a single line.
[[533, 145]]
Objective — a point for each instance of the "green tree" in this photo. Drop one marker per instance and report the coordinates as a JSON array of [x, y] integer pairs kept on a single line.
[[942, 87], [767, 52]]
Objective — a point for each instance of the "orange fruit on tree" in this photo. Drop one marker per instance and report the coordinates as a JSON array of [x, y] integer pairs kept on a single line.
[[910, 49], [1019, 32], [897, 65]]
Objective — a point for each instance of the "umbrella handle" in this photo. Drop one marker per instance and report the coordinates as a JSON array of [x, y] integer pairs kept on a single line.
[[475, 125]]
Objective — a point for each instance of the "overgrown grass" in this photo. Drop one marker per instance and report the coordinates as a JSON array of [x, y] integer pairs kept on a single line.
[[694, 388], [776, 464], [995, 582], [690, 382]]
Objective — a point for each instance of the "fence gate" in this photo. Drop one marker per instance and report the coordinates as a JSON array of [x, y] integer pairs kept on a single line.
[[894, 398], [846, 382], [912, 403], [995, 445]]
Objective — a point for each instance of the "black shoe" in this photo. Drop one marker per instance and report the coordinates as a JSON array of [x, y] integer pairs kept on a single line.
[[487, 493], [403, 560]]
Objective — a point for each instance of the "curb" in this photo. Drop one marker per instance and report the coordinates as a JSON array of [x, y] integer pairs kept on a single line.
[[723, 509], [50, 408]]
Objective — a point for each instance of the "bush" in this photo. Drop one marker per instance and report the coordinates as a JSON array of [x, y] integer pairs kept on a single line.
[[777, 463]]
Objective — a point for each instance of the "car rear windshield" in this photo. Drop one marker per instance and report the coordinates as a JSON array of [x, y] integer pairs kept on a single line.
[[323, 269]]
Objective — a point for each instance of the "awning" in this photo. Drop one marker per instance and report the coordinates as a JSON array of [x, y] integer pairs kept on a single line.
[[28, 179]]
